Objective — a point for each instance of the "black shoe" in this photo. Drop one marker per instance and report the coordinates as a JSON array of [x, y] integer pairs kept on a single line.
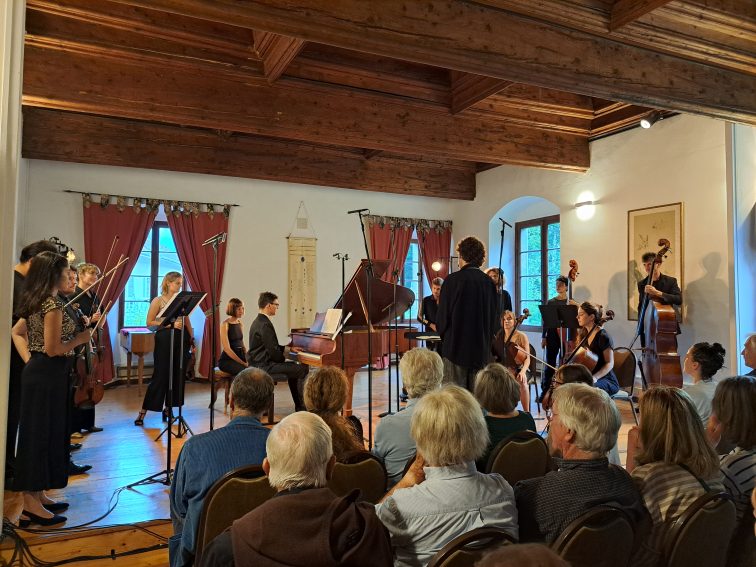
[[94, 429], [75, 447], [24, 522], [74, 469], [45, 521], [56, 506]]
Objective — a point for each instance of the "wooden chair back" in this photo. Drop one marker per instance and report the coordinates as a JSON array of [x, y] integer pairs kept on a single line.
[[625, 364], [230, 498], [362, 470], [701, 535], [520, 456], [602, 528], [467, 549]]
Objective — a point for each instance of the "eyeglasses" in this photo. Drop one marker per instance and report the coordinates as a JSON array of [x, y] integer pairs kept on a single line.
[[276, 304]]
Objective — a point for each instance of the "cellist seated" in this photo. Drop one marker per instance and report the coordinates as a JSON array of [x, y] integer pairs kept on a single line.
[[511, 348], [663, 288]]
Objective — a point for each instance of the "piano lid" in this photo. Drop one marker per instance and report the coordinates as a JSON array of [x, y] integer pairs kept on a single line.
[[381, 307]]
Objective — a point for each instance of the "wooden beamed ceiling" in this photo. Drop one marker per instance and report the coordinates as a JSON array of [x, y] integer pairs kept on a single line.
[[390, 96]]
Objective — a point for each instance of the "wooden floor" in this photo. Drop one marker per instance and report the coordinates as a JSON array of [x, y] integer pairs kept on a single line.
[[123, 454]]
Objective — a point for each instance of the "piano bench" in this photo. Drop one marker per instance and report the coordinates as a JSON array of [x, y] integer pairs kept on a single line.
[[271, 413], [225, 379]]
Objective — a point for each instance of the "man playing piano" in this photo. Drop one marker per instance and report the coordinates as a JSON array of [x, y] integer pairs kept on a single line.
[[265, 352], [429, 310]]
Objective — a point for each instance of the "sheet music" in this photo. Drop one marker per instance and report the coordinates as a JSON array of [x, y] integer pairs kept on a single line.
[[331, 321]]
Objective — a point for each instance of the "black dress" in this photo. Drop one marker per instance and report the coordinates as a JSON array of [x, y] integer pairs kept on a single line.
[[157, 395], [601, 342], [42, 453], [236, 342]]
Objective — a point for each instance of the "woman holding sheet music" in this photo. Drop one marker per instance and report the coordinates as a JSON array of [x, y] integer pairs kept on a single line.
[[156, 397]]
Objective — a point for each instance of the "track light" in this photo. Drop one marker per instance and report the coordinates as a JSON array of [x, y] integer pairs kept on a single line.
[[650, 119]]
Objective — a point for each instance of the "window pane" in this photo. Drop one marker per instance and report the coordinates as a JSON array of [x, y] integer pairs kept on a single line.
[[551, 292], [530, 264], [135, 313], [553, 257], [535, 313], [530, 238], [530, 288], [552, 235], [148, 243]]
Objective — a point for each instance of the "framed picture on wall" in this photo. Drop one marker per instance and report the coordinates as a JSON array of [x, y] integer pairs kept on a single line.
[[644, 229]]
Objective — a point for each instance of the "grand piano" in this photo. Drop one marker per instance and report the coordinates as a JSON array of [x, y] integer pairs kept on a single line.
[[314, 348]]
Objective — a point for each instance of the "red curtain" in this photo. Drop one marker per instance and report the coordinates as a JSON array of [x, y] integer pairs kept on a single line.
[[101, 225], [435, 244], [389, 242], [189, 232]]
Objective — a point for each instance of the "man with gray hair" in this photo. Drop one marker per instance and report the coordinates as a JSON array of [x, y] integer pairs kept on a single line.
[[207, 457], [305, 523], [584, 427], [422, 371]]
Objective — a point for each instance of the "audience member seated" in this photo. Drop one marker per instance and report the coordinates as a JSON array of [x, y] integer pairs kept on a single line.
[[206, 457], [584, 426], [749, 354], [673, 461], [443, 496], [304, 524], [733, 418], [702, 362], [325, 394], [498, 392], [522, 555], [422, 371]]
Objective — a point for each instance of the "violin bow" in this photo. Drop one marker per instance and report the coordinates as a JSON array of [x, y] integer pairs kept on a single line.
[[94, 283], [104, 269], [110, 281], [534, 356]]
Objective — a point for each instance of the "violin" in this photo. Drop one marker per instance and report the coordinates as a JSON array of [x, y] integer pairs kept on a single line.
[[583, 355], [515, 357]]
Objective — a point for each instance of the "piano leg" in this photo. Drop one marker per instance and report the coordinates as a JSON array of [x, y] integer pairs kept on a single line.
[[350, 390], [128, 368]]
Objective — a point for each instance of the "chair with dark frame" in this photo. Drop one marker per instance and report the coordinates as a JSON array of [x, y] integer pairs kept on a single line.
[[625, 364], [600, 528], [520, 456], [362, 470], [467, 549]]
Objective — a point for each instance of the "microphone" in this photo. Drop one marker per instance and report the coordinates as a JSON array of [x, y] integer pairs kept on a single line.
[[217, 239], [357, 211], [505, 222]]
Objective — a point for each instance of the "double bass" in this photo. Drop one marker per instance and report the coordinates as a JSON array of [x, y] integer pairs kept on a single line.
[[660, 361]]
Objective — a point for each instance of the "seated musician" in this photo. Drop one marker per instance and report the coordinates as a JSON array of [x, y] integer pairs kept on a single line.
[[506, 355], [429, 309], [504, 300], [662, 288], [599, 343], [265, 352]]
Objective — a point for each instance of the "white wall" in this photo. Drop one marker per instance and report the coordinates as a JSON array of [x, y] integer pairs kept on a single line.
[[257, 250], [679, 159]]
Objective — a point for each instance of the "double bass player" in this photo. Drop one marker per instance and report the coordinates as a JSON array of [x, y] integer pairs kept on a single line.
[[660, 287]]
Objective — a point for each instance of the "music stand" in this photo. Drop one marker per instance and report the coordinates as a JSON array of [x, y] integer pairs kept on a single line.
[[180, 307], [556, 316]]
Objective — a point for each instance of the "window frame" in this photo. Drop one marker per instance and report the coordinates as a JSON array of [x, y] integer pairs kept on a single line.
[[154, 267], [406, 318], [543, 222]]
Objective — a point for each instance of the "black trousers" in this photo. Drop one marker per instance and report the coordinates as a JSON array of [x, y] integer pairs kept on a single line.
[[156, 397], [553, 346], [295, 374]]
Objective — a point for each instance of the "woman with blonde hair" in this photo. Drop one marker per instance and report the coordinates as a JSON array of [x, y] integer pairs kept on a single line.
[[156, 397], [675, 462], [325, 393]]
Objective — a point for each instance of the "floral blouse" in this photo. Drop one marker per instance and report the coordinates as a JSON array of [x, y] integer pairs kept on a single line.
[[36, 325]]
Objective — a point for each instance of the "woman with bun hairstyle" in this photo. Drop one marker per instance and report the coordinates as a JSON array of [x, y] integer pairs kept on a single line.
[[702, 362]]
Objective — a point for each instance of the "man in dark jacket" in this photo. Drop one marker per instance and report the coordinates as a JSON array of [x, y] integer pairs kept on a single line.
[[265, 352], [305, 523], [663, 288], [466, 317]]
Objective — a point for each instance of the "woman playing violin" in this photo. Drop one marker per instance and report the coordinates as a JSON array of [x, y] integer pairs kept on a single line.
[[505, 351], [600, 344]]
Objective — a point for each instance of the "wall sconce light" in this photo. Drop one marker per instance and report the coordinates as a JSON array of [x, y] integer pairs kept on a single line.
[[586, 206], [650, 119], [436, 266]]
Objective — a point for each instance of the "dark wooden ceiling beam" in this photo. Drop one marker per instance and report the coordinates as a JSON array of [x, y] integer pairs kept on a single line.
[[627, 11], [276, 52], [489, 41], [116, 83], [468, 90], [81, 138], [370, 154]]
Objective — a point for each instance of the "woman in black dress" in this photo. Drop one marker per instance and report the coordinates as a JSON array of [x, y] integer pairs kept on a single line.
[[233, 358], [45, 337], [157, 396], [600, 344]]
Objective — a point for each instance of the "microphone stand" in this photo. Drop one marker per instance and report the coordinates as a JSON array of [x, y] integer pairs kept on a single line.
[[500, 285], [343, 258], [215, 243], [369, 273]]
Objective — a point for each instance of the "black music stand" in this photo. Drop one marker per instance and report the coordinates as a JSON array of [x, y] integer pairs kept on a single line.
[[557, 316], [179, 307]]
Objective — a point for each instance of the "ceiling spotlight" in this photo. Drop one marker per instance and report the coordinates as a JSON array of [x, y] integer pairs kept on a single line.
[[650, 119]]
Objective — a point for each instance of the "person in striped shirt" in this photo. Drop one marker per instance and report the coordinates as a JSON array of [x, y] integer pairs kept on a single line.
[[675, 464], [733, 419]]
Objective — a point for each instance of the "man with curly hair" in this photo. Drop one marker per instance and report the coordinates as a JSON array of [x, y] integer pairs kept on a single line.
[[467, 316]]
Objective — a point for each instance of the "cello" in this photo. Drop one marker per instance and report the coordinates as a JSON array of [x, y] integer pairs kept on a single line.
[[582, 354], [660, 361]]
